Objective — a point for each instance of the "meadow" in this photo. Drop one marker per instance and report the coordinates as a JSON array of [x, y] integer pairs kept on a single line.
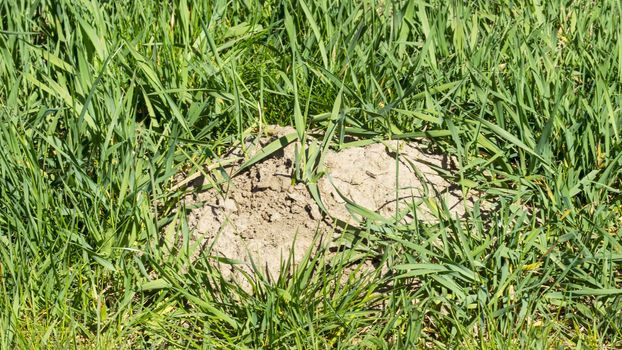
[[103, 103]]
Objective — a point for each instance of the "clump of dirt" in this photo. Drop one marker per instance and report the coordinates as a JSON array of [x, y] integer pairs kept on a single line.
[[396, 180], [261, 215]]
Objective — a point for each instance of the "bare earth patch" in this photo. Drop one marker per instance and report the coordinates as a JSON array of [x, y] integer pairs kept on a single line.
[[260, 215]]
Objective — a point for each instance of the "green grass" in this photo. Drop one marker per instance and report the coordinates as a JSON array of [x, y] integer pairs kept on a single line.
[[103, 102]]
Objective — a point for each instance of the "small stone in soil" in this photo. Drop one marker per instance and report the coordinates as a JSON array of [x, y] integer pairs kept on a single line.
[[313, 211], [296, 197], [276, 216], [229, 205]]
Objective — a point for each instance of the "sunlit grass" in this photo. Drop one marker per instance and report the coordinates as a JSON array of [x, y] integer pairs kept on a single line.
[[102, 103]]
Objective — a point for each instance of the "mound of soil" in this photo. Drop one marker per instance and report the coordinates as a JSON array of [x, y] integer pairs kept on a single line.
[[261, 215]]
